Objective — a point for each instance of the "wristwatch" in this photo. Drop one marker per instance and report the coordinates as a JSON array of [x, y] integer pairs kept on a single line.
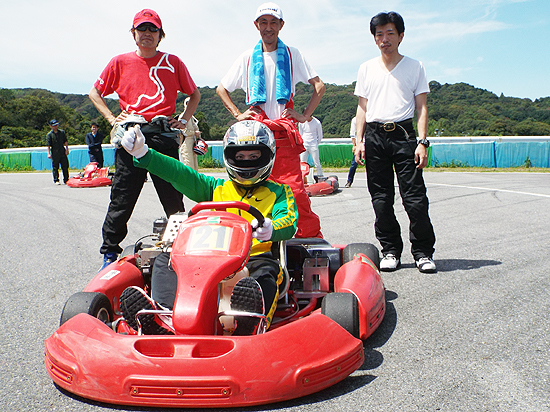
[[424, 142], [183, 121]]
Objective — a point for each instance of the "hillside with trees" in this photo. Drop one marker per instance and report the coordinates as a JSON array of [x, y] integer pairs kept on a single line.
[[458, 109]]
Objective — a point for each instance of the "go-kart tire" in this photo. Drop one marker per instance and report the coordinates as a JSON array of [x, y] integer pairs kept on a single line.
[[368, 249], [93, 303], [343, 309], [128, 251], [333, 180]]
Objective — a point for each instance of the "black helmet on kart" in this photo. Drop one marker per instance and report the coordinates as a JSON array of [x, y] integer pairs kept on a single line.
[[249, 135]]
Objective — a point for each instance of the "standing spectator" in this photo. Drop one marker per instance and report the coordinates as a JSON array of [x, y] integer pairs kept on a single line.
[[58, 150], [312, 133], [139, 92], [353, 167], [191, 134], [389, 142], [268, 74], [94, 139]]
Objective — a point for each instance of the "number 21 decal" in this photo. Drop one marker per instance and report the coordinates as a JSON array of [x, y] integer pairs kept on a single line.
[[210, 237]]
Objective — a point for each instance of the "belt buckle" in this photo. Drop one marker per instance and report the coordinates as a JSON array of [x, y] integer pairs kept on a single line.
[[389, 126]]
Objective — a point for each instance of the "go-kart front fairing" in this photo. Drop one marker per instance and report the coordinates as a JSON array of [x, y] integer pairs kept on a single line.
[[203, 365]]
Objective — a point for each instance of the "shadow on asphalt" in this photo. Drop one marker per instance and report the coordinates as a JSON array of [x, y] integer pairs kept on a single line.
[[450, 265]]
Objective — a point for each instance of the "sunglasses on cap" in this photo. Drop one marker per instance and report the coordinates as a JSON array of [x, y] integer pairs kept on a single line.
[[144, 27]]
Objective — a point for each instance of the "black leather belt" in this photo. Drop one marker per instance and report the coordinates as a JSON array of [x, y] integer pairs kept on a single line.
[[389, 127]]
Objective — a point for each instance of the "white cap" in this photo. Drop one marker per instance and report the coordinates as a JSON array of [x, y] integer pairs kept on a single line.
[[269, 8]]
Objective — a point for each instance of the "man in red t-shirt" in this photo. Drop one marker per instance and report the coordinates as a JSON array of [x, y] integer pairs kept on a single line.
[[147, 82]]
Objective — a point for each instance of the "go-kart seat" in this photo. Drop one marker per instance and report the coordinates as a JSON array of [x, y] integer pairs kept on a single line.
[[298, 249]]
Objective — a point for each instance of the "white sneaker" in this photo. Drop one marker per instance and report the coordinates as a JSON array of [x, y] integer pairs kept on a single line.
[[426, 265], [389, 263]]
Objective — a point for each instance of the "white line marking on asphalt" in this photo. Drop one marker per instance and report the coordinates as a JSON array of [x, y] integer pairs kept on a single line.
[[491, 190]]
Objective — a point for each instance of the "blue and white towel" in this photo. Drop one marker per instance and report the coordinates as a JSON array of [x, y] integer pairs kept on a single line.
[[256, 78]]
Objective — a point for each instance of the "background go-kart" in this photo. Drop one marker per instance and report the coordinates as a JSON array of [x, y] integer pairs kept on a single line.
[[472, 337]]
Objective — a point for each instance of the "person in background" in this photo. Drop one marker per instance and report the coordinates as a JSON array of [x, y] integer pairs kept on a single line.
[[312, 134], [141, 93], [390, 89], [94, 139], [268, 74], [58, 150], [354, 164], [192, 134]]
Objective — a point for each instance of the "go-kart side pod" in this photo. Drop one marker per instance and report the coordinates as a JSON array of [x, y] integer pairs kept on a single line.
[[361, 278]]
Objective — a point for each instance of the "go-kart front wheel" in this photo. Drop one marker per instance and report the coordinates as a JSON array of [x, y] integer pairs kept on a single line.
[[342, 308], [93, 303], [368, 249]]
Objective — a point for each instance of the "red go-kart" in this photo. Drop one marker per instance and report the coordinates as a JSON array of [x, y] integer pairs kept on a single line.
[[322, 186], [331, 300], [92, 176]]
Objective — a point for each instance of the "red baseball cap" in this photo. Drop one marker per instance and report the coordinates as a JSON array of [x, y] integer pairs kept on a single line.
[[147, 16]]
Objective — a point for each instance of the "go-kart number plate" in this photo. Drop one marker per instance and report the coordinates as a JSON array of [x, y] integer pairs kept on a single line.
[[210, 237]]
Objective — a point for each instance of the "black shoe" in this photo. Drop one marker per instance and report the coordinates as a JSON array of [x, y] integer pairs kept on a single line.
[[134, 299], [348, 184], [247, 297]]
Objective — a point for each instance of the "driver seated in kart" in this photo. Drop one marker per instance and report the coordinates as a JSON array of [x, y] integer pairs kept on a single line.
[[249, 155]]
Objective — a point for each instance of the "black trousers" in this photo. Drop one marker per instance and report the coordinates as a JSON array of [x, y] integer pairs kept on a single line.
[[64, 162], [127, 184], [96, 155], [263, 268], [386, 153]]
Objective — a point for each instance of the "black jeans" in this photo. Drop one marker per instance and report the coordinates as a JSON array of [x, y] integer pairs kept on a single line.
[[127, 184], [387, 152], [96, 155], [64, 162]]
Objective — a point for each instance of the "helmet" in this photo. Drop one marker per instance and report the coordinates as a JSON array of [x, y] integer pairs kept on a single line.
[[249, 135], [200, 147]]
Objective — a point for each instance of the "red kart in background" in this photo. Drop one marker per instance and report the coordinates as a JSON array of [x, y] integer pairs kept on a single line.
[[332, 299], [92, 176], [322, 186]]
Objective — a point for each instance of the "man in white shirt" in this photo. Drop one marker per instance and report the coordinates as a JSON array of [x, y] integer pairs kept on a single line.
[[268, 74], [312, 134], [390, 88]]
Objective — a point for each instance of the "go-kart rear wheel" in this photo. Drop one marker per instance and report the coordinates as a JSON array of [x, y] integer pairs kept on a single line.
[[343, 309], [93, 303], [368, 249]]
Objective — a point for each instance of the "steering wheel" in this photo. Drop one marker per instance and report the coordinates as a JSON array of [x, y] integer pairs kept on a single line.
[[229, 205]]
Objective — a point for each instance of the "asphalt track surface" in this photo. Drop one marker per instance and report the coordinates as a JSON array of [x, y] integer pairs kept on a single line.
[[472, 337]]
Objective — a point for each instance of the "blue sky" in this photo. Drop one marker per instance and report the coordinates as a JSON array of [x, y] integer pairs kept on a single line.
[[497, 45]]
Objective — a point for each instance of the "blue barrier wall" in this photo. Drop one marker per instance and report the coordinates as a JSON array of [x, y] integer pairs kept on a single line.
[[78, 159], [492, 154], [467, 154], [509, 154]]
